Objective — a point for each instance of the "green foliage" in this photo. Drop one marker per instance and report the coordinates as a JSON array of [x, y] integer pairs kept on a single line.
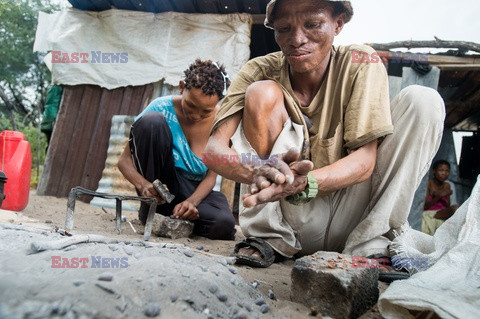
[[37, 140], [24, 78], [38, 144]]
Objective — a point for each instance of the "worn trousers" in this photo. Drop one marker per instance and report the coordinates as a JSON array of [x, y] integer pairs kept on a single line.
[[363, 218], [151, 147]]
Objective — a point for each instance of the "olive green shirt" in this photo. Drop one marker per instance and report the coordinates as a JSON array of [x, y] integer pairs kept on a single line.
[[351, 108]]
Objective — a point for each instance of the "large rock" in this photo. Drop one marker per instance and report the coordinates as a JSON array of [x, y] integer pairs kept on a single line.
[[171, 227], [329, 282]]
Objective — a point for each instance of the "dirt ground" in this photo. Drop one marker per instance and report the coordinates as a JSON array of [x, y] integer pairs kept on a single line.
[[47, 211]]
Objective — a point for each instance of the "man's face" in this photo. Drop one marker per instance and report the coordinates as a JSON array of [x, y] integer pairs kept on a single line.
[[304, 30]]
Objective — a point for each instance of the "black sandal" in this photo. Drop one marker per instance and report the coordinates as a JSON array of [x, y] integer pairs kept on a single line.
[[267, 258], [386, 272]]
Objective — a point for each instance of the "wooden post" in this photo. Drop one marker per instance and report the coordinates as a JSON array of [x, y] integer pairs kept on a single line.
[[228, 189]]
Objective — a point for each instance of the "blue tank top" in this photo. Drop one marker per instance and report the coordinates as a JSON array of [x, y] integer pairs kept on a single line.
[[187, 163]]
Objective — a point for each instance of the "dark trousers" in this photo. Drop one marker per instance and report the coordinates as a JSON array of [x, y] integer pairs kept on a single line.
[[151, 146]]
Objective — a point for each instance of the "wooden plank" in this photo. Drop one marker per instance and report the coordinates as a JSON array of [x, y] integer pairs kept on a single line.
[[60, 142], [441, 59], [146, 99], [227, 188], [86, 138], [43, 183], [79, 140], [459, 67], [135, 102], [437, 43]]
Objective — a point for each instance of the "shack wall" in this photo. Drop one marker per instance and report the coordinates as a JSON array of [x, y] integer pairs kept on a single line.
[[78, 148]]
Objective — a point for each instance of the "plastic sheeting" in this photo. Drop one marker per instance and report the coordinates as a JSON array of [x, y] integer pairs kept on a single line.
[[118, 48], [450, 286]]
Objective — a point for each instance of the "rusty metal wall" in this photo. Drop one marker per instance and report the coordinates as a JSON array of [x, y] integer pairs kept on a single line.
[[78, 148]]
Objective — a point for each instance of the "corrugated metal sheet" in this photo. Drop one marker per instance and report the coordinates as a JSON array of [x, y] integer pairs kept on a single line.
[[185, 6], [112, 180], [78, 149]]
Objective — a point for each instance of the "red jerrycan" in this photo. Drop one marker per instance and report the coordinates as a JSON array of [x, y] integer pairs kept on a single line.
[[16, 163]]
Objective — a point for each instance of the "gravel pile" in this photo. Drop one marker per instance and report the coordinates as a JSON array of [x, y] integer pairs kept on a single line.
[[104, 278]]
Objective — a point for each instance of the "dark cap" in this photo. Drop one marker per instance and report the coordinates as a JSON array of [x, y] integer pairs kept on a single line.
[[346, 4]]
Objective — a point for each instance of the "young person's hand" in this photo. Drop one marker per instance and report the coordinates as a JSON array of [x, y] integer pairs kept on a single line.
[[275, 181], [148, 190], [185, 210]]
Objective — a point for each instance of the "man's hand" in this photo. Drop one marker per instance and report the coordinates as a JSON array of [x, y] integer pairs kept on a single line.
[[273, 182], [185, 210], [148, 190]]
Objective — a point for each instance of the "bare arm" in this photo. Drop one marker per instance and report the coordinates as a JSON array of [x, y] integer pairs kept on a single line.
[[219, 145], [437, 194], [350, 170], [428, 203], [126, 167], [188, 208], [203, 189]]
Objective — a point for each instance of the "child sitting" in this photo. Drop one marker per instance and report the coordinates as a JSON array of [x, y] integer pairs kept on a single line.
[[437, 207], [166, 143]]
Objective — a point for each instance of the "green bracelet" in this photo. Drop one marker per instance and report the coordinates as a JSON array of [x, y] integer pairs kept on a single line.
[[309, 193]]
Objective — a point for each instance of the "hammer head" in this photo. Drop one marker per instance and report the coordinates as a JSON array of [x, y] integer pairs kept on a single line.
[[162, 191]]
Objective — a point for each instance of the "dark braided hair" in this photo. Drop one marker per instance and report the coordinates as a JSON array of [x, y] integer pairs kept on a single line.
[[207, 76]]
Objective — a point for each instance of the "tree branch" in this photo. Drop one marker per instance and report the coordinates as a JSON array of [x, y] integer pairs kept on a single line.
[[9, 107], [437, 43], [18, 105]]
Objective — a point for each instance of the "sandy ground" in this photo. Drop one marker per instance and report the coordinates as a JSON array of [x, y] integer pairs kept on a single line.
[[46, 211]]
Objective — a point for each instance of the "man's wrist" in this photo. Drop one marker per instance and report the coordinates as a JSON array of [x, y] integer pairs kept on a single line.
[[309, 193]]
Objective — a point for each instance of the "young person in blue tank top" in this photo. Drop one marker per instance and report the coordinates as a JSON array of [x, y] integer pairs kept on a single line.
[[167, 141]]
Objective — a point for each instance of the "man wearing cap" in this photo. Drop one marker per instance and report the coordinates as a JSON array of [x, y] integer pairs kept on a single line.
[[340, 162]]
